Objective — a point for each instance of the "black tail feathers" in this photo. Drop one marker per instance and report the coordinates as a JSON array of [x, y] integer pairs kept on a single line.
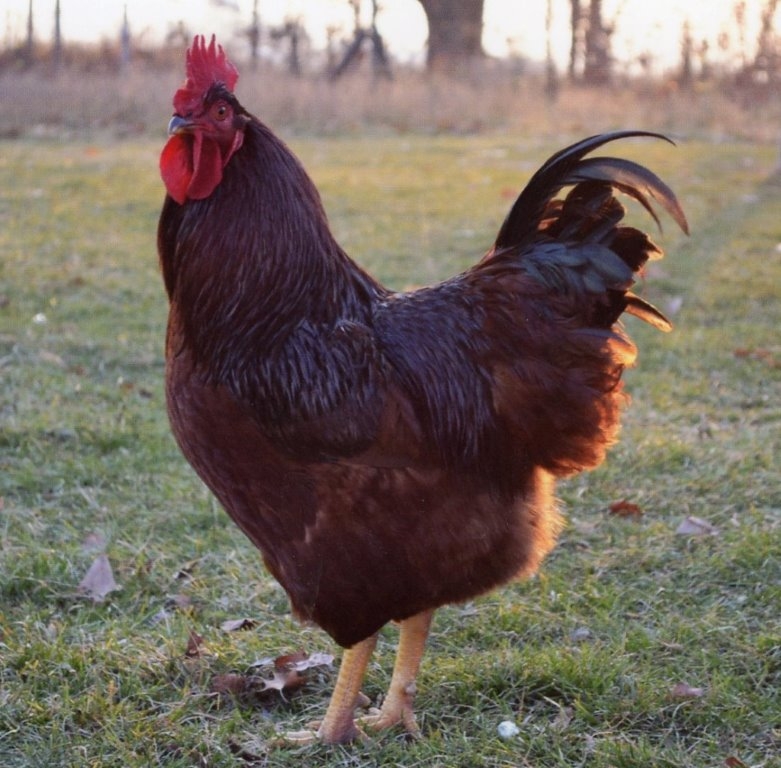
[[587, 221]]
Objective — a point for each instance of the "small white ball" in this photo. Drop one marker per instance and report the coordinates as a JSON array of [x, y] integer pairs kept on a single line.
[[507, 729]]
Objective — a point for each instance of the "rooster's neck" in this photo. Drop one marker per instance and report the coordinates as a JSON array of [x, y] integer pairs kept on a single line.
[[257, 257]]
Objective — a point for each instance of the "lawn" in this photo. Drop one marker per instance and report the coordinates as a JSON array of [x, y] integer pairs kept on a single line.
[[648, 639]]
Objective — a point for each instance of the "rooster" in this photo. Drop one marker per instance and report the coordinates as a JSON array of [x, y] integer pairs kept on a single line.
[[388, 453]]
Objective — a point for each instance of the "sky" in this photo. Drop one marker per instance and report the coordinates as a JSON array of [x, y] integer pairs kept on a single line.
[[509, 25]]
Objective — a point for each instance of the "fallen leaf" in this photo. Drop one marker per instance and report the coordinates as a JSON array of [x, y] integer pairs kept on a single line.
[[686, 691], [625, 508], [194, 644], [234, 625], [696, 526], [283, 680], [99, 580], [231, 683], [306, 661], [288, 660], [282, 674], [734, 762]]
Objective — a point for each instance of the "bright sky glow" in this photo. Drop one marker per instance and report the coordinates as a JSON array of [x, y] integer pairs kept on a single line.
[[510, 25]]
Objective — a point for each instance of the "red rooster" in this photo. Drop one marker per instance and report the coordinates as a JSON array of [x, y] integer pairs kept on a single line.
[[388, 453]]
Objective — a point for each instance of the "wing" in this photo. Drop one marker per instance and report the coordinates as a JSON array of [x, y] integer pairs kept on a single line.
[[516, 362]]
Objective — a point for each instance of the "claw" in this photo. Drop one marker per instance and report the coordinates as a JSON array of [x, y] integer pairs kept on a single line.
[[396, 710], [312, 735]]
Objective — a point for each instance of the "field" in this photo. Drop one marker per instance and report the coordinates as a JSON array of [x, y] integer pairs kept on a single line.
[[648, 639]]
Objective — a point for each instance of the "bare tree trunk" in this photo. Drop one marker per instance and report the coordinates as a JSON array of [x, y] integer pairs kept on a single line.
[[576, 39], [455, 31], [254, 36], [686, 77], [29, 50], [125, 52], [597, 64], [57, 49], [768, 58], [551, 76]]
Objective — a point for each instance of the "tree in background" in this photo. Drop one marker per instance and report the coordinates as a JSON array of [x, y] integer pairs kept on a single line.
[[759, 77], [590, 56], [57, 46], [455, 33], [767, 62]]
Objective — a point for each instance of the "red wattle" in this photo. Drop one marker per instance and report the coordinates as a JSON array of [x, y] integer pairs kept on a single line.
[[207, 168], [191, 167], [176, 166]]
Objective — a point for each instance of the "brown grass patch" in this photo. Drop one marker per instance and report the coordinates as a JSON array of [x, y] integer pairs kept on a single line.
[[139, 101]]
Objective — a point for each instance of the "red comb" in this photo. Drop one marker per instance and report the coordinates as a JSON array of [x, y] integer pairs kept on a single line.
[[206, 65]]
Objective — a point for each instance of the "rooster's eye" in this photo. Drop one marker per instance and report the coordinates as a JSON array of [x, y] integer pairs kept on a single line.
[[219, 111]]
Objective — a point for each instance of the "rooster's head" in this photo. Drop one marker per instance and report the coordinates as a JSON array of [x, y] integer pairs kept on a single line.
[[207, 126]]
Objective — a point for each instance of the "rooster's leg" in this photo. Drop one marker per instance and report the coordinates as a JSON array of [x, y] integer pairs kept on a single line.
[[338, 725], [397, 707]]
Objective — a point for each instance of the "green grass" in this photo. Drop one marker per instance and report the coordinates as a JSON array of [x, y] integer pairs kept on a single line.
[[583, 658]]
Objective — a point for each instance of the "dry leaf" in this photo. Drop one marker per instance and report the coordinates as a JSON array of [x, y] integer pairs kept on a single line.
[[304, 661], [234, 625], [289, 660], [696, 526], [194, 644], [231, 683], [686, 691], [283, 680], [625, 508], [287, 673], [734, 762], [99, 580]]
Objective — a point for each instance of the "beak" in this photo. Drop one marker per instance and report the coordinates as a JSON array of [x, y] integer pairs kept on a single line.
[[179, 125]]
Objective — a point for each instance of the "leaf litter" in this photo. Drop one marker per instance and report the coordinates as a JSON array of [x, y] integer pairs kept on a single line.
[[696, 526], [686, 691], [99, 580], [235, 625], [625, 508], [271, 679]]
